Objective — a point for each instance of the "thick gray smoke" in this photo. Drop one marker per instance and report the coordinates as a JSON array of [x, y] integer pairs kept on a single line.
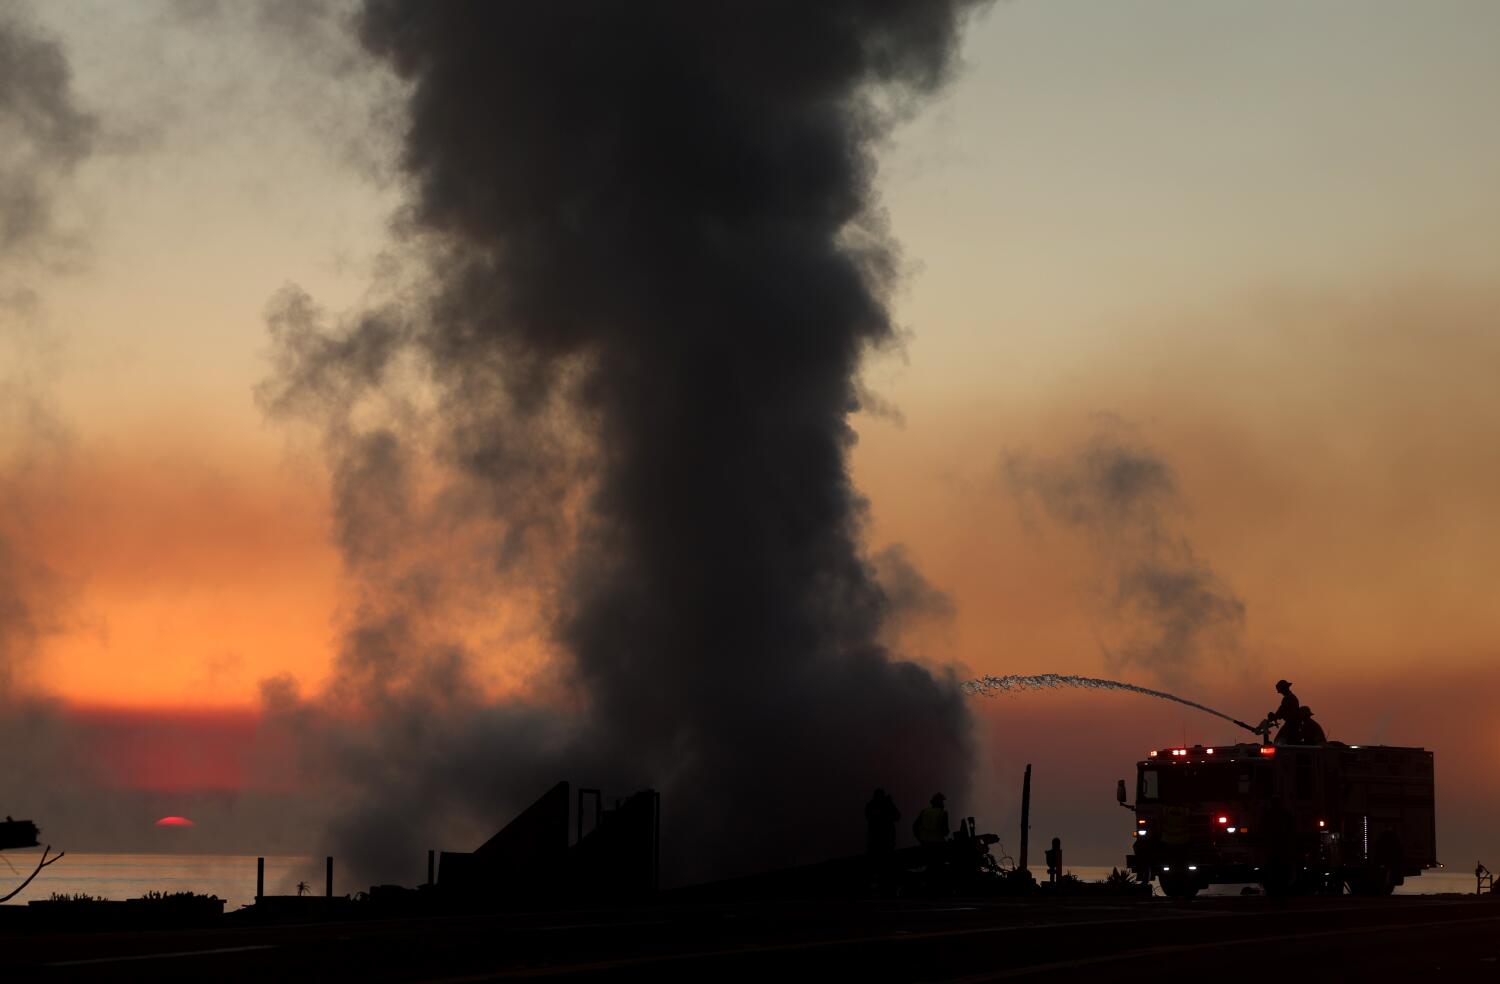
[[656, 264], [402, 737], [1173, 610], [29, 601], [43, 136], [43, 133]]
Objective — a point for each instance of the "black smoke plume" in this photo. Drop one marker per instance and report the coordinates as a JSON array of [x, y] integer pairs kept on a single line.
[[655, 263], [1174, 611]]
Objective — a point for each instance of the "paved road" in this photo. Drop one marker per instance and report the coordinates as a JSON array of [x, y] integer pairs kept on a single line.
[[1216, 940]]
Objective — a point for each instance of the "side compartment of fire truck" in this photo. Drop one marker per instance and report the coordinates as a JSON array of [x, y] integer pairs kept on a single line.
[[1386, 830]]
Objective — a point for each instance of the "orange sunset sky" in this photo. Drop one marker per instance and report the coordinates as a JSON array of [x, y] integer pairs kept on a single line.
[[1256, 240]]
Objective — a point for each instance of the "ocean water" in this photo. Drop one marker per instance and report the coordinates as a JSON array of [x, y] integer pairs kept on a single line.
[[232, 877]]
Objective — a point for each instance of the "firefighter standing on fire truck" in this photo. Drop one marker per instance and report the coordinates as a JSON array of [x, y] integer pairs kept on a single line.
[[1289, 714], [1312, 731]]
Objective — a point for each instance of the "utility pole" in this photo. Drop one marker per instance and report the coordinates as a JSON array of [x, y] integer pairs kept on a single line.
[[1025, 815]]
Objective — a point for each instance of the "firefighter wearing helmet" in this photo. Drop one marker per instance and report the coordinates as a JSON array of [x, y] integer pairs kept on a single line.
[[1312, 731], [1289, 714]]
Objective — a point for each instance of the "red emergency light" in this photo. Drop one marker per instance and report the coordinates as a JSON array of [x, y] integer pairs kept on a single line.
[[1267, 750], [1223, 820]]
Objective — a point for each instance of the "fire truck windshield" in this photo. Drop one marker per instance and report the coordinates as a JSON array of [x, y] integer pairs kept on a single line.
[[1197, 782]]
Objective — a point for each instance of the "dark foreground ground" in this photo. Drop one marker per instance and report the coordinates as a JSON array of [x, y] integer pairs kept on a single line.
[[1208, 940]]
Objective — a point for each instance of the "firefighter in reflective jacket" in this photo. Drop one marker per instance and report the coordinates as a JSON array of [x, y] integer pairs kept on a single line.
[[931, 826]]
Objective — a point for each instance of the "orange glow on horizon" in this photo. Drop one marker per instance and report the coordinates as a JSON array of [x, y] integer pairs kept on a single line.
[[184, 573], [192, 573]]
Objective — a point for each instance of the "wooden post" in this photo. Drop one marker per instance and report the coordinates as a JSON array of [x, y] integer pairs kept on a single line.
[[431, 867], [1025, 815], [260, 878], [329, 891]]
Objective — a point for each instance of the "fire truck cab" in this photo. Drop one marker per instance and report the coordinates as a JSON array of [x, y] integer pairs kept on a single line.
[[1295, 818]]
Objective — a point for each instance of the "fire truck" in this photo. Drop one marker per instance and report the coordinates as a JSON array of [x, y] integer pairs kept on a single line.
[[1295, 818]]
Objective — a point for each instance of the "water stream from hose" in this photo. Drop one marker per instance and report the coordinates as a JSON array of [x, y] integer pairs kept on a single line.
[[991, 686]]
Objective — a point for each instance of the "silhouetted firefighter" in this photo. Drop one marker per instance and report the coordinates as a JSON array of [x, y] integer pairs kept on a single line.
[[1312, 731], [1054, 860], [1289, 714], [931, 826], [880, 824], [931, 829]]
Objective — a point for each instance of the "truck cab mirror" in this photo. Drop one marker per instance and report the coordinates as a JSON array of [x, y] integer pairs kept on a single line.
[[1120, 791]]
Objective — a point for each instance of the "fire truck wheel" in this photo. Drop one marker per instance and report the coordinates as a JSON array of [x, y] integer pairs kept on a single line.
[[1279, 879], [1384, 872], [1179, 888]]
